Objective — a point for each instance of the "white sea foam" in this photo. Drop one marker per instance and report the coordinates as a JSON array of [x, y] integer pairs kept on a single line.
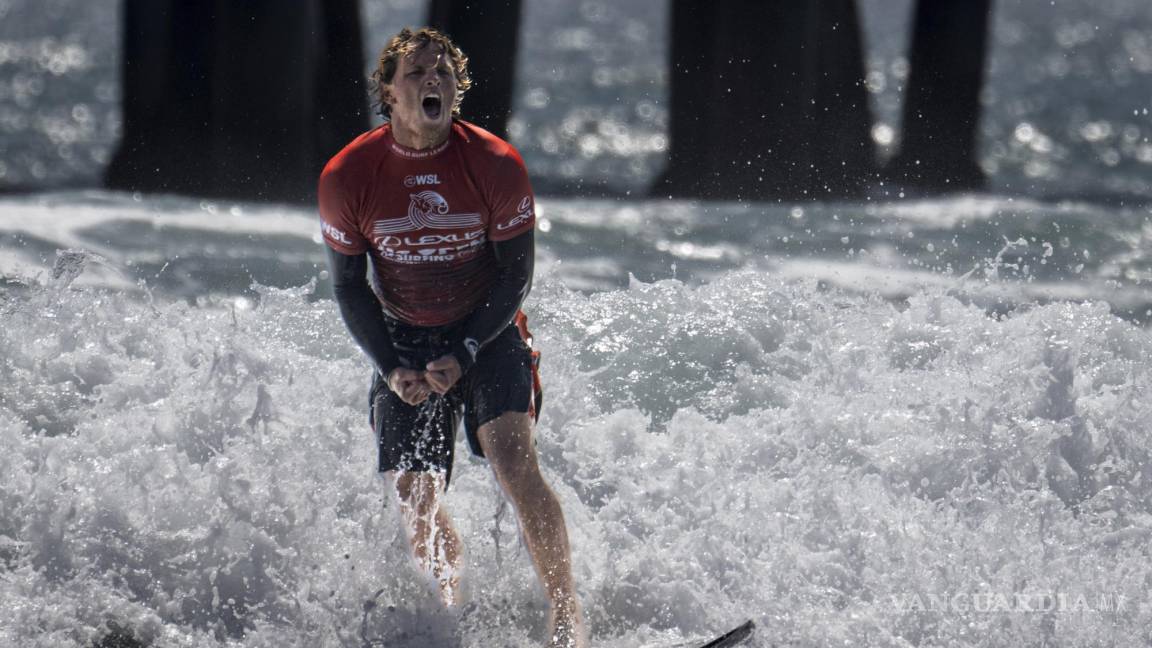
[[998, 252], [749, 447]]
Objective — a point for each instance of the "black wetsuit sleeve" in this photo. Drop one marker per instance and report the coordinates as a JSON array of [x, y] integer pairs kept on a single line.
[[515, 260], [361, 310]]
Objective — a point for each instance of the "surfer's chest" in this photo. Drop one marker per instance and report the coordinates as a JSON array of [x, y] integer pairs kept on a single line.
[[427, 215]]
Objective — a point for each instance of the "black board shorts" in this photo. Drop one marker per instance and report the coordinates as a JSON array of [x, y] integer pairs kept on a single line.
[[422, 438]]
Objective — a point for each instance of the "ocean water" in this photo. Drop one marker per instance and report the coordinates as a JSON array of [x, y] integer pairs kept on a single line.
[[998, 252], [1066, 102], [916, 423], [892, 422]]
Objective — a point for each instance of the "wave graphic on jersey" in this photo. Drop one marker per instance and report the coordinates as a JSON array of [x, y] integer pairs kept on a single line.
[[427, 209]]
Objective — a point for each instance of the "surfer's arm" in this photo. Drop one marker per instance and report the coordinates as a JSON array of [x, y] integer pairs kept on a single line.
[[515, 260], [361, 310]]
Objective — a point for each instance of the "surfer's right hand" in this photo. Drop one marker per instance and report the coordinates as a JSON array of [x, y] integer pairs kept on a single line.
[[409, 385]]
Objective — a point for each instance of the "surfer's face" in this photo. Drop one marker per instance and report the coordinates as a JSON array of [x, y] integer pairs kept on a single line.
[[422, 94]]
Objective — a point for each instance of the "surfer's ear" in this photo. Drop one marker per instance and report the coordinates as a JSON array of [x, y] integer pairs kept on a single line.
[[386, 95]]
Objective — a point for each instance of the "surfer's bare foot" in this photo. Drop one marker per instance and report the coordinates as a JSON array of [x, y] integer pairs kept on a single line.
[[567, 630]]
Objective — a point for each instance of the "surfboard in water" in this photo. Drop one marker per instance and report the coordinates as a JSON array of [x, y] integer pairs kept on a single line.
[[733, 637]]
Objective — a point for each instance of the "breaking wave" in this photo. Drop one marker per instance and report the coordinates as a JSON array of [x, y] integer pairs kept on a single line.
[[184, 474]]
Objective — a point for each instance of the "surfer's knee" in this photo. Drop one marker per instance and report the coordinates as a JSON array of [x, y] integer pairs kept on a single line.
[[507, 444], [418, 492], [519, 475]]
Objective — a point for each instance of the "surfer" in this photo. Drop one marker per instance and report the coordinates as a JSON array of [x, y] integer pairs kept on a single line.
[[445, 213]]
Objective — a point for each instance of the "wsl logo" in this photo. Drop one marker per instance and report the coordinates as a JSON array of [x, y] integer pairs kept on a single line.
[[335, 234], [421, 180], [426, 209]]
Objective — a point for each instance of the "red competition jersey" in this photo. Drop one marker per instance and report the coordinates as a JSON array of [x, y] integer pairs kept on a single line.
[[425, 217]]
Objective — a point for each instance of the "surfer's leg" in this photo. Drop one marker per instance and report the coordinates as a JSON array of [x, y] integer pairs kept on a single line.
[[435, 543], [507, 443], [414, 444]]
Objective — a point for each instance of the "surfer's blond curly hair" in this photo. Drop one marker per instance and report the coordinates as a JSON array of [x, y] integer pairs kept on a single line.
[[408, 42]]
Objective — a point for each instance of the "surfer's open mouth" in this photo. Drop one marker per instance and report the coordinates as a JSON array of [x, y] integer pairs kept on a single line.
[[432, 106]]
